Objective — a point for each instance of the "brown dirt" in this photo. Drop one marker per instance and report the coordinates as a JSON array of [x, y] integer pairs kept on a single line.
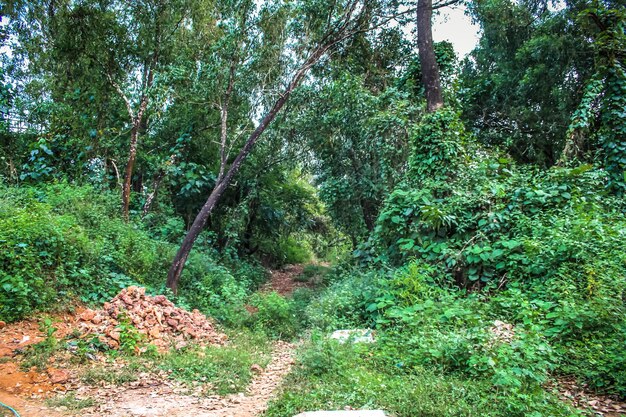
[[32, 383], [283, 280], [18, 336], [24, 391], [161, 400], [27, 408]]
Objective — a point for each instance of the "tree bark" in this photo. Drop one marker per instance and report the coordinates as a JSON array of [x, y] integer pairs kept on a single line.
[[128, 173], [428, 61]]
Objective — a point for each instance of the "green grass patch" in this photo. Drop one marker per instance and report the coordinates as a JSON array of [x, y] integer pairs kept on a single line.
[[313, 274], [224, 368], [331, 376], [116, 375], [71, 402]]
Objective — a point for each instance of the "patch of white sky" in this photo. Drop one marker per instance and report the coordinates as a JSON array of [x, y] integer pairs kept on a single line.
[[454, 25]]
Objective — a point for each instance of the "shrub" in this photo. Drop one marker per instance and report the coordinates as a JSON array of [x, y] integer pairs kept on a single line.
[[343, 304], [276, 315], [59, 242], [334, 376]]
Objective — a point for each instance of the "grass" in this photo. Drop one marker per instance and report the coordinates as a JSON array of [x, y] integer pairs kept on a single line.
[[71, 402], [330, 376], [115, 375], [313, 273], [38, 355], [226, 369]]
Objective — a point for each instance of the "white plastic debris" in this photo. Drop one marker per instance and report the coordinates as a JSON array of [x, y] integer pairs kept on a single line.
[[354, 335]]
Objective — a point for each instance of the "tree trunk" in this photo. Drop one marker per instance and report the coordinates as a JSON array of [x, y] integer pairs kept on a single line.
[[151, 197], [132, 155], [428, 61], [173, 275]]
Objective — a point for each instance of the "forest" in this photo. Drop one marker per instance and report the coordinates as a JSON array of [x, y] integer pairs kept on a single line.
[[196, 194]]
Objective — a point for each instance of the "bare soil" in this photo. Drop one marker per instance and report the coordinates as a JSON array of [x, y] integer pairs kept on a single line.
[[151, 396], [161, 400], [283, 280]]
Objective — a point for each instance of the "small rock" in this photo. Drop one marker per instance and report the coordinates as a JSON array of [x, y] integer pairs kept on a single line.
[[88, 315], [58, 376], [354, 336]]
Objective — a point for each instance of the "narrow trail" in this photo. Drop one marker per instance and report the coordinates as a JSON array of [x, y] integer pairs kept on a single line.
[[153, 402]]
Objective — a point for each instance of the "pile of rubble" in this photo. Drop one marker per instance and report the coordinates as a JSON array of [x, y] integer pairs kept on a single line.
[[162, 323]]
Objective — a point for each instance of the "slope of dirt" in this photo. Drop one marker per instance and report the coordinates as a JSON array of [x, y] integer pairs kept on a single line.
[[283, 281], [18, 336], [27, 408]]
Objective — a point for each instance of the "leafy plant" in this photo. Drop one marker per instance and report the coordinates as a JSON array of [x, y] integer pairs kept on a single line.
[[39, 354], [276, 315]]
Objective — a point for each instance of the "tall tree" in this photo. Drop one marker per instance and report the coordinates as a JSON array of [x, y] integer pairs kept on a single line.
[[152, 26], [527, 76], [428, 60]]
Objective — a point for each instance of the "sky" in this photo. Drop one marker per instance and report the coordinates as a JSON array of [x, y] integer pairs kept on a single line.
[[452, 24]]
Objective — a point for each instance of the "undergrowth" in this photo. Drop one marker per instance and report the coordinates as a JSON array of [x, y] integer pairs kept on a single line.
[[334, 376], [60, 242]]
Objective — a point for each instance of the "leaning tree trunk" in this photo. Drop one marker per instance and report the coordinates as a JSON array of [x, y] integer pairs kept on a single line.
[[132, 155], [175, 271], [173, 275], [428, 61]]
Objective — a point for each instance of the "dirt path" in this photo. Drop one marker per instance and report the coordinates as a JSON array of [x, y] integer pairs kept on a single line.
[[156, 401], [283, 281]]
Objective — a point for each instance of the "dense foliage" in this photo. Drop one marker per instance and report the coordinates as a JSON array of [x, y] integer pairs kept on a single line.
[[483, 241], [62, 242]]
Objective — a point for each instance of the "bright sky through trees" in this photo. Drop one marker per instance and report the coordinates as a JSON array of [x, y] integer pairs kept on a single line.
[[452, 24]]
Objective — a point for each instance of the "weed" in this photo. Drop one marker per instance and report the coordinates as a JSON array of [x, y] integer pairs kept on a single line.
[[113, 375], [226, 369], [131, 340], [276, 315], [332, 376], [39, 354], [71, 402], [313, 274]]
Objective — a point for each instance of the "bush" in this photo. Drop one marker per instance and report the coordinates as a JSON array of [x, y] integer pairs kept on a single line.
[[60, 242], [476, 239], [313, 273], [276, 315], [293, 251], [334, 376], [343, 304]]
